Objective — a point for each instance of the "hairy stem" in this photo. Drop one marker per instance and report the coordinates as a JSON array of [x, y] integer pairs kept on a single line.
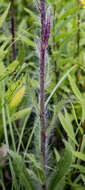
[[45, 32], [42, 86], [13, 30], [78, 35]]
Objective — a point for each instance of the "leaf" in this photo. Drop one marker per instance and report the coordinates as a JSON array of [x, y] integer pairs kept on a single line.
[[63, 35], [28, 41], [34, 16], [75, 88], [68, 13], [21, 171], [58, 107], [21, 54], [78, 95], [7, 71], [35, 83], [83, 144], [37, 138], [20, 114], [38, 171], [75, 117], [75, 186], [5, 43], [34, 99], [66, 123], [57, 155], [59, 83], [79, 155], [79, 167], [61, 184], [17, 97], [64, 45], [3, 16], [2, 54], [83, 177], [31, 136], [62, 169]]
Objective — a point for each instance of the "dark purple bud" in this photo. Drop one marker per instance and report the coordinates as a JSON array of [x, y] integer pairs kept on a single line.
[[47, 30]]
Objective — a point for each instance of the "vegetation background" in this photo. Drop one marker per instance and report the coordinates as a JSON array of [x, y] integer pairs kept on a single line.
[[28, 159]]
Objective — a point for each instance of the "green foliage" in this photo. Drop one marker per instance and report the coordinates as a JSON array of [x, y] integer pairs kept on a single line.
[[39, 172], [20, 126], [66, 123], [21, 172], [3, 16], [62, 169]]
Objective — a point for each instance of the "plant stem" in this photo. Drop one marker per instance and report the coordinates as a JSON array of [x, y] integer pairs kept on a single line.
[[78, 34], [13, 29], [42, 87]]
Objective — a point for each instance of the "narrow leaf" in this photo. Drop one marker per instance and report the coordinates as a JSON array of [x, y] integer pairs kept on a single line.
[[3, 16], [79, 155], [75, 88], [20, 114], [66, 123]]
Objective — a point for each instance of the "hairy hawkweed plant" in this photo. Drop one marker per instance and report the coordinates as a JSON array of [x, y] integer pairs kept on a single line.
[[45, 31], [36, 157]]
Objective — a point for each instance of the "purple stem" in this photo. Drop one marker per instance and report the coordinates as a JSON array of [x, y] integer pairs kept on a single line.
[[13, 29], [45, 32], [42, 70], [42, 87]]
